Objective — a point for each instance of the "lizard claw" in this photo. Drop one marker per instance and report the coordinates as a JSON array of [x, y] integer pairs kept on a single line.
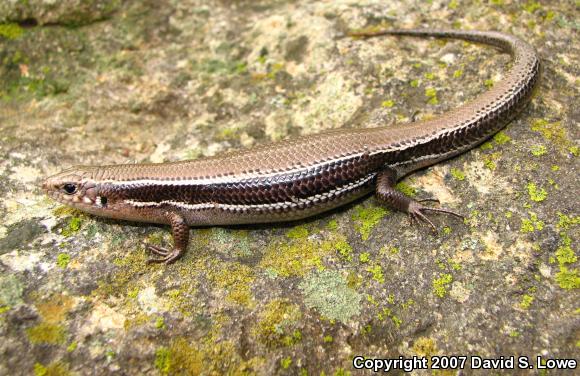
[[167, 255], [417, 213], [156, 250], [429, 200]]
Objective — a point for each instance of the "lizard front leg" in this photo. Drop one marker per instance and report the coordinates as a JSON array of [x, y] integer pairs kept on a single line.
[[180, 232]]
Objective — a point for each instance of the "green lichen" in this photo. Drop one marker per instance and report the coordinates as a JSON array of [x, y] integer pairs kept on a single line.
[[441, 284], [162, 355], [180, 358], [72, 347], [53, 369], [364, 257], [532, 224], [553, 132], [453, 4], [526, 226], [565, 254], [406, 189], [298, 232], [366, 219], [388, 103], [214, 66], [39, 85], [217, 356], [354, 280], [457, 174], [110, 354], [396, 321], [414, 83], [384, 314], [454, 265], [526, 301], [341, 372], [46, 333], [568, 279], [125, 280], [377, 273], [228, 134], [327, 339], [388, 313], [74, 225], [297, 257], [458, 73], [538, 150], [389, 250], [486, 146], [425, 346], [489, 161], [372, 300], [39, 370], [565, 222], [277, 325], [431, 93], [430, 76], [286, 362], [160, 323], [329, 293], [488, 83], [133, 293], [501, 138], [62, 260], [531, 6], [332, 225], [136, 321], [235, 279], [11, 31], [344, 249], [537, 195], [180, 301]]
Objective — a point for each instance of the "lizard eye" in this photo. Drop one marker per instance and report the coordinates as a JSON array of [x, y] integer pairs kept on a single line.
[[69, 188]]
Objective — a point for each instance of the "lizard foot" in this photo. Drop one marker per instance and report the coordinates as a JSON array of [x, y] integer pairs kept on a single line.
[[417, 212], [167, 255]]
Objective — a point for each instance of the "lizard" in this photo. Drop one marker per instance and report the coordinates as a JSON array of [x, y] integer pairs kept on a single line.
[[305, 176]]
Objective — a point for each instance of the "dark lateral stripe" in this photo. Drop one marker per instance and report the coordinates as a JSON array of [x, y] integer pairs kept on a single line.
[[280, 188]]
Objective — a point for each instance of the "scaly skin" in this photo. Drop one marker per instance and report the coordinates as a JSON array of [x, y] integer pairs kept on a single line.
[[298, 178]]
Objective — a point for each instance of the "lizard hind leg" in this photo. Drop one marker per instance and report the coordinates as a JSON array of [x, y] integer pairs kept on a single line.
[[387, 193]]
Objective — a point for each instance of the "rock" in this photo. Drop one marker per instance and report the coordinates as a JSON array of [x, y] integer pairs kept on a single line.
[[61, 12], [169, 80]]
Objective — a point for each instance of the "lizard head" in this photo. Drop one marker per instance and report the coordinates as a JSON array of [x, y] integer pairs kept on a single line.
[[85, 188], [77, 188]]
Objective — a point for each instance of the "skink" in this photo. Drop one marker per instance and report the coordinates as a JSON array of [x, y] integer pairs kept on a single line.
[[305, 176]]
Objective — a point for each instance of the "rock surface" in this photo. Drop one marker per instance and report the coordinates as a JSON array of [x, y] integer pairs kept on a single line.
[[56, 12], [166, 80]]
